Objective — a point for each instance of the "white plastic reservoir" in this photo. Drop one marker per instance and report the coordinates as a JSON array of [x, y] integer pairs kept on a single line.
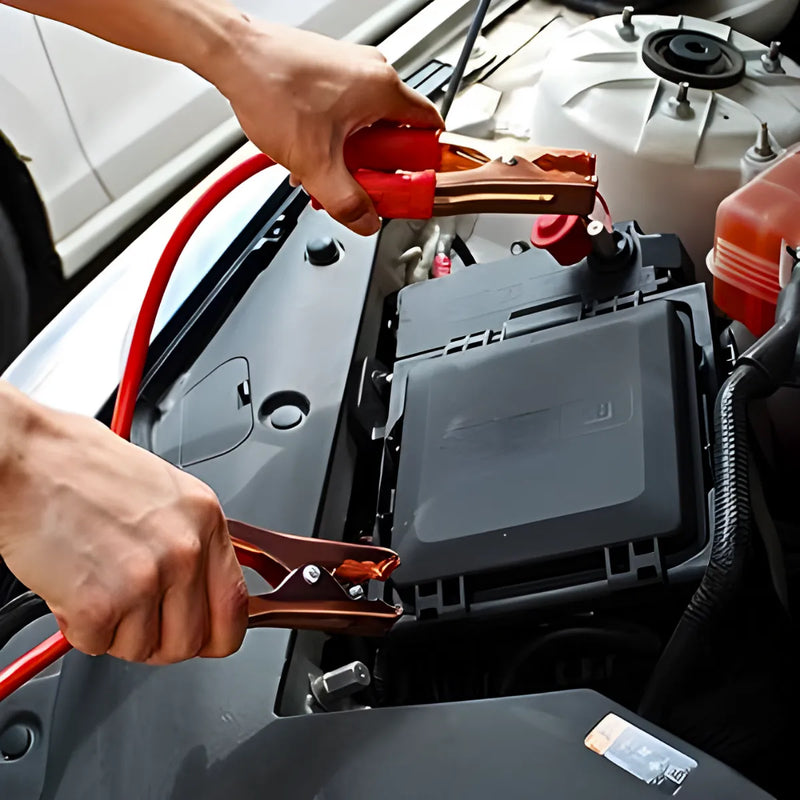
[[666, 154]]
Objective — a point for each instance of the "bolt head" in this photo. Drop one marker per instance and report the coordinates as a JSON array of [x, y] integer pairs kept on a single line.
[[311, 573], [356, 592]]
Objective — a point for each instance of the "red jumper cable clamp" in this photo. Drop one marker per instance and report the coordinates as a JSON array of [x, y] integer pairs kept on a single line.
[[414, 173]]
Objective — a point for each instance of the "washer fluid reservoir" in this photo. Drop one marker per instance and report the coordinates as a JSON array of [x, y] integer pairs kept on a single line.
[[670, 105]]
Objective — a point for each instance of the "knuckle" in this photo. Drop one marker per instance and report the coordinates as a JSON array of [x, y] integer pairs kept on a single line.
[[349, 207], [186, 553], [376, 54], [90, 623], [99, 614], [206, 500], [143, 577]]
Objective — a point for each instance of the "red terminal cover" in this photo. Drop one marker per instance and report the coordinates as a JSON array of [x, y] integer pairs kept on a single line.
[[564, 236], [389, 148], [403, 195]]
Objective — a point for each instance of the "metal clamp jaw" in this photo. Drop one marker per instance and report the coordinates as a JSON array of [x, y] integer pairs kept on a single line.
[[412, 173], [317, 584]]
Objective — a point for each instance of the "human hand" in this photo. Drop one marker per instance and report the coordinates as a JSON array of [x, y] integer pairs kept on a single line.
[[131, 554], [299, 95]]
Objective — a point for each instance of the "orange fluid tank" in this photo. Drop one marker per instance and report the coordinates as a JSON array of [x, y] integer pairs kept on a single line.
[[757, 234]]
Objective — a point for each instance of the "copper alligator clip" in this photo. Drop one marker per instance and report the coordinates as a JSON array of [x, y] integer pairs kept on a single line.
[[316, 584], [412, 173]]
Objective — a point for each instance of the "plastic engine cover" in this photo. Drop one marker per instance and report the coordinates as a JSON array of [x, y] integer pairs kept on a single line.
[[665, 163]]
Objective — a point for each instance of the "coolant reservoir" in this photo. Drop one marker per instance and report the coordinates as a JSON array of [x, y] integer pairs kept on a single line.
[[757, 236], [666, 154]]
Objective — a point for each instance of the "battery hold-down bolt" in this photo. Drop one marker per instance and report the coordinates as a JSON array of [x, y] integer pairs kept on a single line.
[[332, 690]]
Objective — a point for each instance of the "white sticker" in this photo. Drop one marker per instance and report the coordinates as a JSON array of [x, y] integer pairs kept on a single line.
[[649, 759]]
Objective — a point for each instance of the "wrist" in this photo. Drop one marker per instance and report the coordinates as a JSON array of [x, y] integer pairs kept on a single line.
[[219, 52]]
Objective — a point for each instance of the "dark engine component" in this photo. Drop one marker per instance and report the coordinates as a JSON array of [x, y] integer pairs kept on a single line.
[[545, 432]]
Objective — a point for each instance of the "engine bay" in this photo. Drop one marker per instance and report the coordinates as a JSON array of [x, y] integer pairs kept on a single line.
[[544, 444]]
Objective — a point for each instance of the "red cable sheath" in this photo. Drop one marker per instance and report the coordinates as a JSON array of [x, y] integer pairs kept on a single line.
[[49, 651], [134, 367], [32, 663]]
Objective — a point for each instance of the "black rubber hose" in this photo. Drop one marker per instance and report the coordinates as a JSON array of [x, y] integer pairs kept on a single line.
[[454, 83], [759, 372], [18, 613]]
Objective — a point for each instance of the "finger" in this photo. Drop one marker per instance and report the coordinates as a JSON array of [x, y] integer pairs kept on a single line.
[[227, 598], [91, 640], [184, 623], [184, 610], [411, 108], [341, 196], [137, 635]]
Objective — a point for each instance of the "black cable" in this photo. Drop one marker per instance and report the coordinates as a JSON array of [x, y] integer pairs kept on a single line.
[[458, 73], [461, 249], [18, 613]]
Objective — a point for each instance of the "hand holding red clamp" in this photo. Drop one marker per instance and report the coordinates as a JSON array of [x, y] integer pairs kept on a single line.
[[444, 174], [316, 585]]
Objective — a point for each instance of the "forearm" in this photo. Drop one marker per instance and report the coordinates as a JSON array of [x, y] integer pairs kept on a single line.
[[202, 34], [17, 416]]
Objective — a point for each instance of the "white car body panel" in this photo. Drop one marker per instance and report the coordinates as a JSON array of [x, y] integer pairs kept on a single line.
[[133, 113], [34, 119], [108, 133], [146, 124]]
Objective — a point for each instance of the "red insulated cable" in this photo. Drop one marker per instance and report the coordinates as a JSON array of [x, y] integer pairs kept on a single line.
[[134, 367], [49, 651]]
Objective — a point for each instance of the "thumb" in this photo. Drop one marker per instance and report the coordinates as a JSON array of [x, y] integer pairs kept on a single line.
[[411, 108], [339, 194]]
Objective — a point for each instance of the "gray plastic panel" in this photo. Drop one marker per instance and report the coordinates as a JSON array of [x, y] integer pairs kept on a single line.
[[31, 706], [296, 328], [212, 418], [203, 732]]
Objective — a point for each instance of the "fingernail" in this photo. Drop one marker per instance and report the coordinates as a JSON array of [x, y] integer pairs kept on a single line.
[[367, 224]]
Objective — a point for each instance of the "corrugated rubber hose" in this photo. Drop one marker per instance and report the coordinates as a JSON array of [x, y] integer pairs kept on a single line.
[[759, 372]]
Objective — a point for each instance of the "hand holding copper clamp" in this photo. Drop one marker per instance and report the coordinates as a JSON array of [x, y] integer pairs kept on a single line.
[[444, 174], [316, 584]]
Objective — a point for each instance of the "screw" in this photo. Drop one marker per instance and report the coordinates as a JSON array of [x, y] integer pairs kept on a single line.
[[627, 15], [683, 92], [771, 60], [311, 573], [356, 592], [625, 28], [763, 147]]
